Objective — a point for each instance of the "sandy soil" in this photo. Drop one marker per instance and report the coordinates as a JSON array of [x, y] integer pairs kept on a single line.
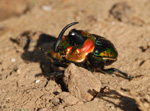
[[24, 70]]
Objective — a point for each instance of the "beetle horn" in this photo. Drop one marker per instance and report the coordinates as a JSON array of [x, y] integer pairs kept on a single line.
[[62, 32]]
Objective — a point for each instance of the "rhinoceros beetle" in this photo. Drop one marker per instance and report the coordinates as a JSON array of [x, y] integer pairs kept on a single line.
[[84, 49]]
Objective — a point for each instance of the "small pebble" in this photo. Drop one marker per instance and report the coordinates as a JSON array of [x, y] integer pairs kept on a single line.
[[37, 81], [147, 39], [113, 23], [19, 71], [12, 59], [46, 8]]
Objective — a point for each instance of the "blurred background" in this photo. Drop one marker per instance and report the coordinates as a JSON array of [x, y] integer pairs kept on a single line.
[[27, 24]]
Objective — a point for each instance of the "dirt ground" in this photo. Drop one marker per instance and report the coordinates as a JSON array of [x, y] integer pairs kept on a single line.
[[24, 70]]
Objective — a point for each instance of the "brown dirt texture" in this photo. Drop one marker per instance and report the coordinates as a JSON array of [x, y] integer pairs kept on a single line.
[[25, 70]]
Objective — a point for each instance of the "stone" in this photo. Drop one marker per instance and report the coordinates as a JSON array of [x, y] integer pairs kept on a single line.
[[81, 83]]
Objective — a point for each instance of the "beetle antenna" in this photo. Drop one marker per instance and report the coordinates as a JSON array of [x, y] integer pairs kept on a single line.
[[61, 34]]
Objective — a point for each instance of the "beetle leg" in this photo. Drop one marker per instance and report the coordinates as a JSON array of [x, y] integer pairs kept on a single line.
[[56, 75], [95, 62], [112, 70], [87, 65]]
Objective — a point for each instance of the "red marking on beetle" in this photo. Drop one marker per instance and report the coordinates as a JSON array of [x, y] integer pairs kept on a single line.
[[63, 38], [79, 55], [84, 33], [88, 46], [78, 51], [69, 50]]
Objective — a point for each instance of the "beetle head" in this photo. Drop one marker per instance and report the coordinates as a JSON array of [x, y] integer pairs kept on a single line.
[[75, 37], [61, 34]]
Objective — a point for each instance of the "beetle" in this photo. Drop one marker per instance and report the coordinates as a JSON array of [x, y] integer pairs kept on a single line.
[[90, 51]]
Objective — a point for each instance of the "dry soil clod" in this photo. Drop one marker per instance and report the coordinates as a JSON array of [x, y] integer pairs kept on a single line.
[[80, 82]]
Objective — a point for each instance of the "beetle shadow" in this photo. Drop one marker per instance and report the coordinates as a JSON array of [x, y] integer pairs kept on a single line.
[[122, 76], [32, 42], [110, 96]]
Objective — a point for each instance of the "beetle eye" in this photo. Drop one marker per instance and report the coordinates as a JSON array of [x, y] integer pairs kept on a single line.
[[72, 33]]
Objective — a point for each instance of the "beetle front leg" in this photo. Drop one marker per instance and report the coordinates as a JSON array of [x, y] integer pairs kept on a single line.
[[56, 75], [112, 70]]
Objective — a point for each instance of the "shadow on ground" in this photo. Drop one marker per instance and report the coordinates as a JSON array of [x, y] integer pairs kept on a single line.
[[110, 96], [32, 43]]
